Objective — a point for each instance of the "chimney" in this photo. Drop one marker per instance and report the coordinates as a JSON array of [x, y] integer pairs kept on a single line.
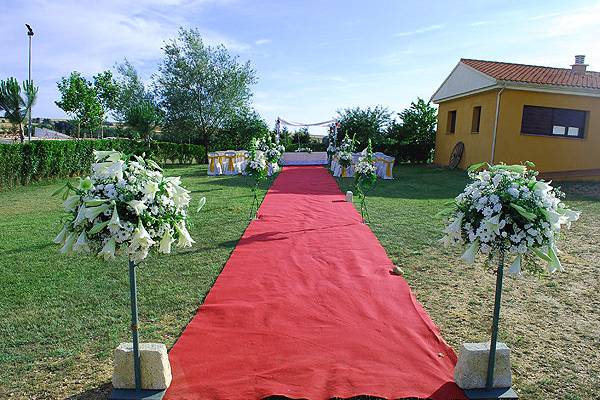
[[580, 66]]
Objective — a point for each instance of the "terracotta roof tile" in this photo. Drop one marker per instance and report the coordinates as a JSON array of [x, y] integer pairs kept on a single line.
[[535, 74]]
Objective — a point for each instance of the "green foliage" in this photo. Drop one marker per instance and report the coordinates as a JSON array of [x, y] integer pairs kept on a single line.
[[201, 88], [144, 118], [79, 98], [364, 124], [131, 90], [418, 123], [239, 131], [21, 164], [301, 138], [15, 107]]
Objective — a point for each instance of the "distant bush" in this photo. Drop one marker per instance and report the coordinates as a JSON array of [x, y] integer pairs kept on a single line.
[[314, 146], [35, 161]]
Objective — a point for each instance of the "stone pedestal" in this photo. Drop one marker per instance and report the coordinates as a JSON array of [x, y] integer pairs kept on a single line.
[[349, 196], [471, 369], [156, 370]]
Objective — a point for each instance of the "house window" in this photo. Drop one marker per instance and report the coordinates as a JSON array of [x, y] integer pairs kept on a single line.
[[476, 119], [451, 124], [547, 121]]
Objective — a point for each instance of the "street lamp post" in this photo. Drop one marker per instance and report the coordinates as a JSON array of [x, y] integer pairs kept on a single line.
[[30, 34]]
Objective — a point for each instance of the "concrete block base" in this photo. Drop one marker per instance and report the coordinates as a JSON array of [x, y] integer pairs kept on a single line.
[[156, 370], [471, 369]]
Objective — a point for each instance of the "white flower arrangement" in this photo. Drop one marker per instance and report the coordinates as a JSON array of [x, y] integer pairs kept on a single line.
[[507, 208], [125, 206], [365, 166], [344, 152]]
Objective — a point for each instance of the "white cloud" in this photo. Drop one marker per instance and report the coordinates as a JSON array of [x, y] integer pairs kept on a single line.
[[261, 42], [419, 31]]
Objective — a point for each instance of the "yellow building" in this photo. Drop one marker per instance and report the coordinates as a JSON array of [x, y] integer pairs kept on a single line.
[[511, 113]]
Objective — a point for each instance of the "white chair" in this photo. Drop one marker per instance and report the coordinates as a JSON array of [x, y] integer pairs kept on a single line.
[[229, 163], [214, 164]]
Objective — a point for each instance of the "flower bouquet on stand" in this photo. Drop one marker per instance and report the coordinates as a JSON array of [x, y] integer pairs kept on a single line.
[[365, 177], [256, 167], [344, 153], [273, 155], [506, 212], [125, 207]]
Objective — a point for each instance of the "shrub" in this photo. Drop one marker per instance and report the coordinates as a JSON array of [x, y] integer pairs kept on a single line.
[[35, 161]]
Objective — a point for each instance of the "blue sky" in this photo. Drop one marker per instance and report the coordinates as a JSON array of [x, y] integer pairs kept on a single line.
[[312, 57]]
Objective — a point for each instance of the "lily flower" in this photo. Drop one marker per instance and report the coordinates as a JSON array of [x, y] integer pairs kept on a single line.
[[80, 215], [141, 238], [71, 203], [165, 242], [92, 212], [114, 224], [85, 184], [108, 250], [137, 205], [68, 245], [111, 155], [62, 236], [185, 240], [469, 255], [515, 267], [82, 244]]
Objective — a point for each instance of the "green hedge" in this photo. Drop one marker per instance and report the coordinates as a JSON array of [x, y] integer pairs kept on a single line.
[[21, 164]]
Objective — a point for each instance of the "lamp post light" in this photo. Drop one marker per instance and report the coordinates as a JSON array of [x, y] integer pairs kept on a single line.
[[30, 34]]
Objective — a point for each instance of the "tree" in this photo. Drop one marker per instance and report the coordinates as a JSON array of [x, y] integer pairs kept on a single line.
[[131, 90], [301, 137], [107, 92], [80, 99], [144, 118], [16, 108], [418, 123], [240, 130], [201, 88], [364, 124]]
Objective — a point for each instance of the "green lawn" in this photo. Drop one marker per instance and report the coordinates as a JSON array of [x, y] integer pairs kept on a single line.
[[61, 317], [550, 322]]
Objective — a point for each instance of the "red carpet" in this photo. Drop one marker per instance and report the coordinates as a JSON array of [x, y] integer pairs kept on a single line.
[[306, 308]]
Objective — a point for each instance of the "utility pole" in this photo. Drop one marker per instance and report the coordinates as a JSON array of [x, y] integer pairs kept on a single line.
[[30, 34]]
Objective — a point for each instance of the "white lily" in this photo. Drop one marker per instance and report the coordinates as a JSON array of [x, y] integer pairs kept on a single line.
[[109, 169], [137, 205], [68, 245], [493, 224], [185, 240], [470, 253], [62, 236], [85, 184], [165, 242], [108, 250], [455, 226], [92, 212], [515, 267], [141, 238], [71, 203], [110, 155], [114, 224], [150, 188], [82, 244], [80, 215], [554, 263]]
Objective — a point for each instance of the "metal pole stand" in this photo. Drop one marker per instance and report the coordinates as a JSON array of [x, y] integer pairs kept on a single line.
[[138, 392], [490, 392]]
